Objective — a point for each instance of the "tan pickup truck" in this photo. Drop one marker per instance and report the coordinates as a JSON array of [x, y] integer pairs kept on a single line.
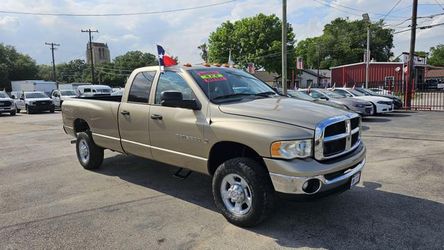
[[225, 123]]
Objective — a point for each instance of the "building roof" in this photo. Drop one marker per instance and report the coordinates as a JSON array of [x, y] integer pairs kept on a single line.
[[435, 73]]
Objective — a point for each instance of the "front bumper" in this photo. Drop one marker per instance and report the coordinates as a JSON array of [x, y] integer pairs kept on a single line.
[[289, 176], [41, 107], [382, 108], [7, 109], [367, 110]]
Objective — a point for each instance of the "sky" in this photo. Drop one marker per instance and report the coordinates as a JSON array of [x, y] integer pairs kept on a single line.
[[181, 32]]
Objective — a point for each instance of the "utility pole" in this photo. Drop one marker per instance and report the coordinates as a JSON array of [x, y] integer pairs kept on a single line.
[[366, 18], [411, 55], [319, 55], [284, 47], [91, 52], [54, 77]]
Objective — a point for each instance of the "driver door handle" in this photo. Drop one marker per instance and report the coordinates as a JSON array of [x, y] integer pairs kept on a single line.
[[156, 117], [124, 112]]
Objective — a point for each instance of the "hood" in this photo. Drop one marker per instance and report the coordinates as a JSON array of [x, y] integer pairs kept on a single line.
[[330, 103], [373, 98], [282, 109], [351, 101], [392, 97], [6, 99], [38, 99]]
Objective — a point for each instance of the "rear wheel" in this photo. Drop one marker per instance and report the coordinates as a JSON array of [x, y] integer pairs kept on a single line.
[[28, 110], [89, 154], [243, 192]]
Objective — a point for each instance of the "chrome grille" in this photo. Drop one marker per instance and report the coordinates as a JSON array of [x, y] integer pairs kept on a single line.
[[337, 136], [5, 103]]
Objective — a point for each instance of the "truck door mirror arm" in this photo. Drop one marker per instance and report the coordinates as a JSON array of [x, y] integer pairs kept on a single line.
[[175, 99]]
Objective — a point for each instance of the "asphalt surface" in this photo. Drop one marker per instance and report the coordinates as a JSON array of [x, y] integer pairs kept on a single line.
[[47, 200]]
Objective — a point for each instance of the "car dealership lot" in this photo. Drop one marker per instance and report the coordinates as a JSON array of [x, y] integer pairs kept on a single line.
[[47, 200]]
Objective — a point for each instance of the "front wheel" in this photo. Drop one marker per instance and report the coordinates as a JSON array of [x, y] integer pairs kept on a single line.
[[243, 192], [18, 110], [12, 113], [374, 109], [89, 154]]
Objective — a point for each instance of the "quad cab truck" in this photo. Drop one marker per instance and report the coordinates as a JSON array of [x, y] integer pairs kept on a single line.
[[225, 123]]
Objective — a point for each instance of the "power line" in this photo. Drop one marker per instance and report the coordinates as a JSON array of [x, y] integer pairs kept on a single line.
[[420, 28], [390, 11], [114, 14]]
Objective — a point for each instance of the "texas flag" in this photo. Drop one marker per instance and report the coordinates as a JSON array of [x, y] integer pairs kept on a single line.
[[164, 58]]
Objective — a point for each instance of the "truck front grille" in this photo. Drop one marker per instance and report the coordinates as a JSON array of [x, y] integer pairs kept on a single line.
[[41, 103], [5, 103], [337, 136]]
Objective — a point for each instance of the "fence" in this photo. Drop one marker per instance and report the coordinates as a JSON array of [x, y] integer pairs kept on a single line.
[[424, 96]]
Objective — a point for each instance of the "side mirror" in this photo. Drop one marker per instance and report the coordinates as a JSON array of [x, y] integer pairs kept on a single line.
[[175, 99], [12, 96]]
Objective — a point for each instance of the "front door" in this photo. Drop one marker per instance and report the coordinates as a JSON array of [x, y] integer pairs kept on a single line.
[[177, 133], [134, 115]]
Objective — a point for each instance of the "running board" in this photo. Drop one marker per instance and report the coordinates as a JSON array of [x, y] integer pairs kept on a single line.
[[180, 175]]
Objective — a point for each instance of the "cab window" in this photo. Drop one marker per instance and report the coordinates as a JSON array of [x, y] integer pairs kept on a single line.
[[141, 87], [172, 81], [87, 90]]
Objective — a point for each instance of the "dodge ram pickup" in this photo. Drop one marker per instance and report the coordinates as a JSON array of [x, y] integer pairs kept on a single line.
[[226, 123]]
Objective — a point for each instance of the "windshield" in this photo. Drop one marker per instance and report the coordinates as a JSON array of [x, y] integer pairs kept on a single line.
[[331, 94], [300, 95], [35, 95], [67, 92], [356, 93], [220, 84], [3, 95]]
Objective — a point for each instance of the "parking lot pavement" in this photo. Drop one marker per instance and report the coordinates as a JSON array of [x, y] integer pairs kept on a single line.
[[48, 201]]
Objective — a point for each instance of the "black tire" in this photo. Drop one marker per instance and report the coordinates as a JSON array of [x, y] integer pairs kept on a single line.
[[374, 109], [18, 110], [12, 113], [95, 153], [51, 110], [260, 189]]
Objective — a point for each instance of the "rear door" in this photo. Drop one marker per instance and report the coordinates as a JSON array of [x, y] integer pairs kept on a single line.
[[134, 116], [177, 133]]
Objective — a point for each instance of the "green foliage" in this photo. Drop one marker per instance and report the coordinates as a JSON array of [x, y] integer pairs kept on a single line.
[[15, 66], [437, 55], [251, 40], [344, 42]]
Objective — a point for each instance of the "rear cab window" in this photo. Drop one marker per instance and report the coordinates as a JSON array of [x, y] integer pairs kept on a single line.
[[140, 88]]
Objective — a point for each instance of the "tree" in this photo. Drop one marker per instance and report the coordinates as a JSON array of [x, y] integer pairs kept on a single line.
[[204, 53], [15, 66], [73, 71], [437, 55], [251, 40], [344, 42]]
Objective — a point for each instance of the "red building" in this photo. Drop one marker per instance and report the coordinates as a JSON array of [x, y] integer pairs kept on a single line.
[[379, 73]]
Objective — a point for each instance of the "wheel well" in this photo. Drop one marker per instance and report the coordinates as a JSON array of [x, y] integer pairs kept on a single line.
[[223, 151], [80, 125]]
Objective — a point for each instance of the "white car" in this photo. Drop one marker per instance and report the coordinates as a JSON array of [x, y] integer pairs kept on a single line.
[[380, 104], [58, 96], [37, 101], [7, 105], [93, 90]]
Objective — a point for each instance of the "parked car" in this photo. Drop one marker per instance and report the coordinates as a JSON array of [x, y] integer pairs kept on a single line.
[[303, 96], [58, 96], [93, 90], [359, 106], [37, 101], [380, 104], [253, 143], [381, 91], [18, 101], [7, 104], [397, 102], [117, 91]]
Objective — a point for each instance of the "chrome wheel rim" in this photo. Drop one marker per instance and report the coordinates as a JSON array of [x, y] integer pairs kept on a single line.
[[83, 151], [236, 194]]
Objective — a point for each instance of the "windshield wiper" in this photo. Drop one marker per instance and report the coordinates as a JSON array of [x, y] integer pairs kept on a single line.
[[266, 94], [230, 95]]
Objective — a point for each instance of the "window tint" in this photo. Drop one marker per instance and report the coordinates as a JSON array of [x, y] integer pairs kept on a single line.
[[87, 90], [172, 81], [141, 87], [315, 94]]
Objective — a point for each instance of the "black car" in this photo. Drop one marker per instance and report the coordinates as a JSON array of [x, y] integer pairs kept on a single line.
[[397, 102]]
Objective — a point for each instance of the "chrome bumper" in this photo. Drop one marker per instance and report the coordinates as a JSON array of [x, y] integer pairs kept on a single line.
[[293, 184]]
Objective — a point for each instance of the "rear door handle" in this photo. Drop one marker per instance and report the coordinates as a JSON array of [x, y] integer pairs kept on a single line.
[[156, 117], [124, 112]]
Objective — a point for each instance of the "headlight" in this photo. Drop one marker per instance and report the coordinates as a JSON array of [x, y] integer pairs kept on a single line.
[[359, 105], [291, 149]]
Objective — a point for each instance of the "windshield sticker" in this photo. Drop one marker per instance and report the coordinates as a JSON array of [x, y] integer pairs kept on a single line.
[[211, 76]]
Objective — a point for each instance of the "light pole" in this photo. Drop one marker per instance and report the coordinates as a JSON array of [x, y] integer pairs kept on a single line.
[[366, 18], [284, 47]]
